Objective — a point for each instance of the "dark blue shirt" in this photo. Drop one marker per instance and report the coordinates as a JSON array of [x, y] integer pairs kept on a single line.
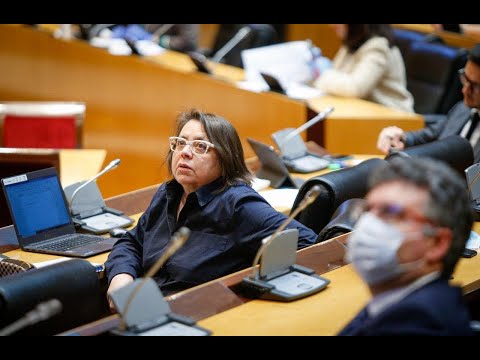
[[226, 231]]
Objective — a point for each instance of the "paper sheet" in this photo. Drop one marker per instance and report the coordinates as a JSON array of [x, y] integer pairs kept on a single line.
[[473, 242], [280, 198]]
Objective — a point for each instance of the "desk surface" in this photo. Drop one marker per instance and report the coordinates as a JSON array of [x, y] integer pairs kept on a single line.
[[218, 307], [353, 127]]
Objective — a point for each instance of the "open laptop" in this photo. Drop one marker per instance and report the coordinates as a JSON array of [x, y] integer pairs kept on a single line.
[[295, 154], [273, 168], [42, 219]]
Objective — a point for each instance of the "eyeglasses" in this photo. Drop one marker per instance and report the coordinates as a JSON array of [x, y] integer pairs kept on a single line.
[[198, 146], [394, 213], [465, 80]]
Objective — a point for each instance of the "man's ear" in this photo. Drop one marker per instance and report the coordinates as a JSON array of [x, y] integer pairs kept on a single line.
[[442, 239]]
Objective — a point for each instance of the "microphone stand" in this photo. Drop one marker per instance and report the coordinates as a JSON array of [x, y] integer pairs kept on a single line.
[[179, 239], [41, 312], [286, 280], [320, 116], [309, 198], [113, 164], [234, 41], [160, 31], [150, 313]]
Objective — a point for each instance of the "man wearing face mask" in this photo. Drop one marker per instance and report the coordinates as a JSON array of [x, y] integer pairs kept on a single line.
[[405, 247]]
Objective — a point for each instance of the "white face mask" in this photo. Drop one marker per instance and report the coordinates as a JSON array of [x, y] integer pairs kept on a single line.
[[372, 249]]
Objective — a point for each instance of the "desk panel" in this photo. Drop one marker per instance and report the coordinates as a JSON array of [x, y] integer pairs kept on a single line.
[[324, 313], [354, 125], [131, 101]]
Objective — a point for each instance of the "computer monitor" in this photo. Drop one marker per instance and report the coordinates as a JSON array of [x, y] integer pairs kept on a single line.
[[14, 161]]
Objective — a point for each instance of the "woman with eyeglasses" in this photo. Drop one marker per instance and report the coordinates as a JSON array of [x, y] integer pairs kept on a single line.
[[462, 119], [210, 194]]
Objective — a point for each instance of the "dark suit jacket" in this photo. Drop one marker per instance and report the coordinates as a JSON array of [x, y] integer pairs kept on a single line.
[[443, 126], [434, 309]]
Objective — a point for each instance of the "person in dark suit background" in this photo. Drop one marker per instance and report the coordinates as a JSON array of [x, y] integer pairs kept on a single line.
[[405, 246], [462, 119]]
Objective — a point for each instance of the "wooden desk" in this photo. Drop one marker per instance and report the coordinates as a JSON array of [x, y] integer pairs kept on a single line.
[[322, 35], [324, 313], [80, 164], [451, 38], [132, 101], [353, 127], [219, 306]]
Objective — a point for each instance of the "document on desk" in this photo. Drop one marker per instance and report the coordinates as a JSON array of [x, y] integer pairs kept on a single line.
[[288, 62], [280, 198], [473, 241]]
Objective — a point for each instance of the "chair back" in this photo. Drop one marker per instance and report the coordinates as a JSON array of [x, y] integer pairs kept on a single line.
[[343, 220], [337, 187], [42, 124], [74, 283], [404, 39], [14, 161], [454, 150], [432, 76]]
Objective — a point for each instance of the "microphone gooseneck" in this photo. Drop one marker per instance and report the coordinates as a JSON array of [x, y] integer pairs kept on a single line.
[[234, 41], [161, 31], [320, 116], [309, 198], [177, 241], [41, 312], [112, 165]]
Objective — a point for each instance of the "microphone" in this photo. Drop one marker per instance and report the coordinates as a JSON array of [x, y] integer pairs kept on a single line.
[[113, 164], [157, 34], [320, 116], [309, 198], [230, 44], [281, 278], [41, 312], [178, 240]]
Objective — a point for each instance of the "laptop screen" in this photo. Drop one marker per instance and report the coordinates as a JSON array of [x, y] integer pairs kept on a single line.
[[36, 202]]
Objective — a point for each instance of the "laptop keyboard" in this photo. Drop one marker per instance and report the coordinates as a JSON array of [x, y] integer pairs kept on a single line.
[[310, 163], [70, 242]]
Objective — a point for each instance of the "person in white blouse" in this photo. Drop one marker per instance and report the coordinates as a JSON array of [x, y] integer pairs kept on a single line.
[[367, 66]]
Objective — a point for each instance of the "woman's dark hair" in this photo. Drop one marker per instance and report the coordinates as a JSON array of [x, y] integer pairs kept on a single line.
[[357, 34], [227, 145], [474, 54]]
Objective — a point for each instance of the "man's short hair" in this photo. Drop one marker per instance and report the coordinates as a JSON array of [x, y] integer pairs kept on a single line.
[[474, 54], [449, 201]]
